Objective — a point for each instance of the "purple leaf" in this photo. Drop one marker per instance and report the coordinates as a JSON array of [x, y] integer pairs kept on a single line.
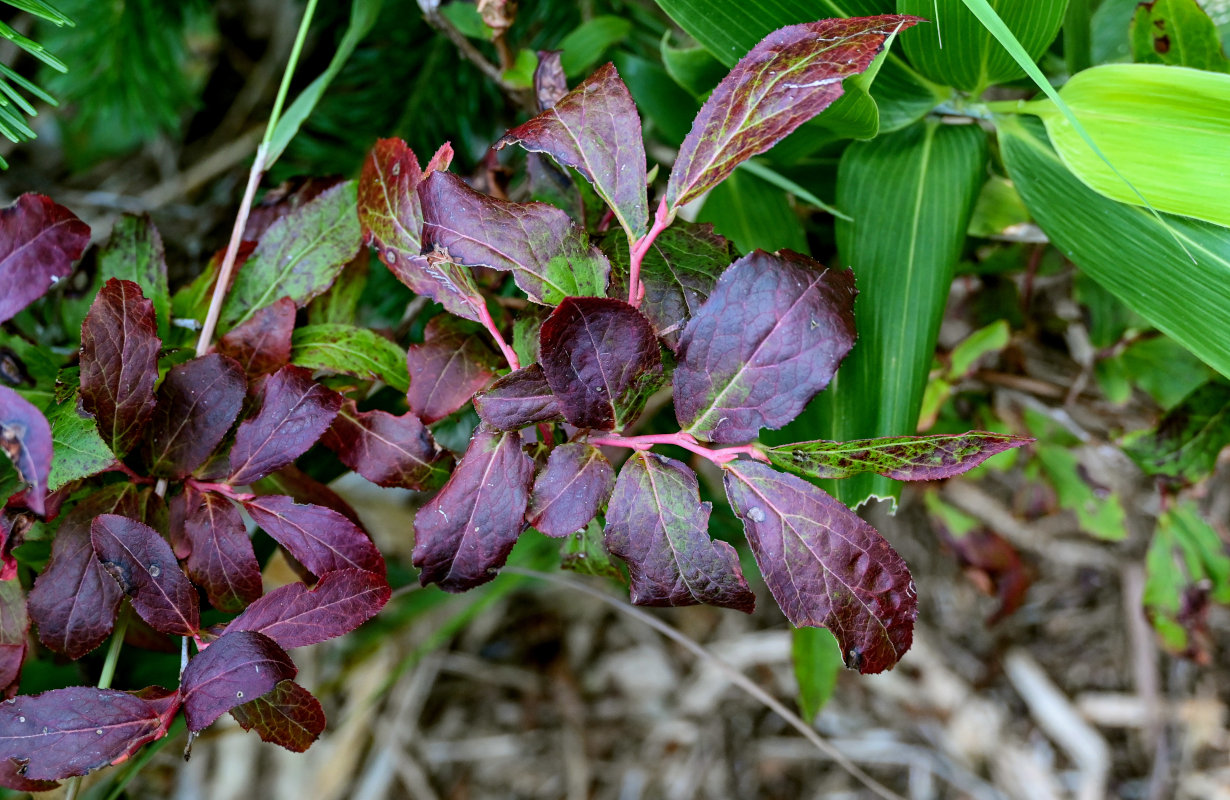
[[39, 241], [220, 556], [679, 271], [299, 256], [303, 488], [657, 523], [262, 344], [142, 563], [25, 437], [446, 369], [387, 450], [294, 616], [119, 363], [825, 566], [550, 83], [601, 359], [518, 399], [465, 533], [197, 403], [789, 77], [295, 411], [549, 256], [392, 221], [289, 716], [571, 490], [766, 341], [595, 130], [74, 601], [67, 732], [14, 633], [904, 458], [237, 668], [320, 538]]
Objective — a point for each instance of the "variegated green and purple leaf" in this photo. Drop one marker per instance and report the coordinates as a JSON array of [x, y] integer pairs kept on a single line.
[[595, 129], [658, 525], [791, 76], [903, 458], [825, 566], [767, 340]]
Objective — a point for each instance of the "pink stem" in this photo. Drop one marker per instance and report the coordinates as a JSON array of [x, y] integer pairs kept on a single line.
[[720, 455], [120, 466], [224, 489], [661, 221], [485, 317]]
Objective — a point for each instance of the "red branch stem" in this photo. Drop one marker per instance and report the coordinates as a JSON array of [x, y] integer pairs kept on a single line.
[[661, 221], [485, 317], [719, 455], [224, 489]]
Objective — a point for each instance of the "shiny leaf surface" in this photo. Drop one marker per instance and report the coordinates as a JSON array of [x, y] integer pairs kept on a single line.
[[294, 412], [198, 402], [145, 568], [295, 616], [235, 669], [570, 491]]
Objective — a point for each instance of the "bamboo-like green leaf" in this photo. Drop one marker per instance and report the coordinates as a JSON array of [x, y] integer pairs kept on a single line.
[[1166, 130], [1126, 249], [956, 49], [817, 662], [752, 213], [910, 194]]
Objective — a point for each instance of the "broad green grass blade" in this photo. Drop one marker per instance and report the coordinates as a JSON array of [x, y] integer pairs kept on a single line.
[[785, 184], [1126, 249], [956, 49], [753, 213], [1166, 128], [817, 663], [911, 194]]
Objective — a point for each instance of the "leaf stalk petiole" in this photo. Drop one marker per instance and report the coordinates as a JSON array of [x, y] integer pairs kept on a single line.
[[719, 456], [662, 219]]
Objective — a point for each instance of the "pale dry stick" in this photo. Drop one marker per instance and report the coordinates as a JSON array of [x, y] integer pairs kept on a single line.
[[735, 677]]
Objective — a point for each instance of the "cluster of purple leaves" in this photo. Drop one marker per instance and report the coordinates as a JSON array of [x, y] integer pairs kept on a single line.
[[632, 306]]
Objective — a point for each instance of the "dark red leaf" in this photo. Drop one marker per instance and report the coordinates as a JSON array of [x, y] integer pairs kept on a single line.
[[550, 83], [25, 437], [518, 399], [601, 360], [220, 556], [12, 778], [465, 533], [446, 369], [67, 732], [303, 488], [392, 221], [992, 564], [320, 538], [766, 341], [295, 411], [549, 256], [595, 130], [165, 702], [119, 363], [294, 616], [904, 458], [791, 76], [387, 450], [14, 632], [74, 601], [825, 566], [657, 523], [289, 716], [197, 403], [679, 271], [237, 668], [39, 241], [262, 344], [142, 563], [571, 490]]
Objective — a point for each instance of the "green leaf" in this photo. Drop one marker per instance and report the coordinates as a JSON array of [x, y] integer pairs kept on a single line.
[[1125, 248], [521, 73], [1099, 512], [1163, 369], [957, 50], [10, 480], [585, 45], [753, 214], [981, 342], [347, 350], [1109, 31], [1185, 553], [664, 104], [817, 663], [135, 253], [903, 458], [1176, 32], [693, 68], [299, 256], [1165, 129], [910, 194], [79, 451], [363, 15], [585, 552], [1186, 442]]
